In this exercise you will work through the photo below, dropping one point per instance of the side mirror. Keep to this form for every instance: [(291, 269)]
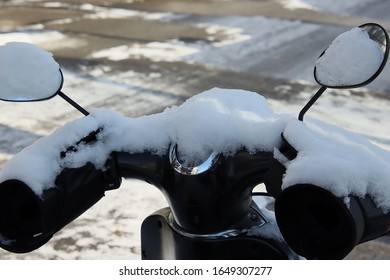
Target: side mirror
[(28, 73), (354, 59)]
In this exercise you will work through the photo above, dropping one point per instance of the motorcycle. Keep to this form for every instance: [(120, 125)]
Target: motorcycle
[(206, 156)]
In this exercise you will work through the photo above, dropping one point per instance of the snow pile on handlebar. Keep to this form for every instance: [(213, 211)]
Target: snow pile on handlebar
[(340, 161), (219, 120)]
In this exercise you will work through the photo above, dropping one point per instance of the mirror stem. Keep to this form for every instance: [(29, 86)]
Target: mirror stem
[(73, 103), (311, 102)]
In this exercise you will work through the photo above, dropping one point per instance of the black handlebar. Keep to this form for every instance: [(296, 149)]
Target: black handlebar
[(206, 202), (27, 221), (314, 222)]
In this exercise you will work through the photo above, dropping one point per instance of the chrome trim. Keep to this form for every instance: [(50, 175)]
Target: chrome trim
[(191, 169)]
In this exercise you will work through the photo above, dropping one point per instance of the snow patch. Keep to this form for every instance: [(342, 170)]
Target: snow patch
[(296, 4), (36, 36), (155, 51), (247, 43), (337, 160), (332, 6)]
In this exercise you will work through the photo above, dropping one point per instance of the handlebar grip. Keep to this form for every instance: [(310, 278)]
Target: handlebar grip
[(28, 221), (319, 225)]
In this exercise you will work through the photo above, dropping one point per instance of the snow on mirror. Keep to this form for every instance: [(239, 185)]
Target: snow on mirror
[(28, 73), (355, 58)]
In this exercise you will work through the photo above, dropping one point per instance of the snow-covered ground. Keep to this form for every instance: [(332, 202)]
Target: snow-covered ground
[(110, 230), (334, 6)]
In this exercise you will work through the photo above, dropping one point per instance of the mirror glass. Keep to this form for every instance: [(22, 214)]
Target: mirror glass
[(355, 58), (28, 73)]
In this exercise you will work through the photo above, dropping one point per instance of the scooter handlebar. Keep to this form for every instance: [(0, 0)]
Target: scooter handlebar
[(28, 220)]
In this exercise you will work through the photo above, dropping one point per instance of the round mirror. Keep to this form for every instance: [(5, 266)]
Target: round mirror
[(28, 73), (355, 58)]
